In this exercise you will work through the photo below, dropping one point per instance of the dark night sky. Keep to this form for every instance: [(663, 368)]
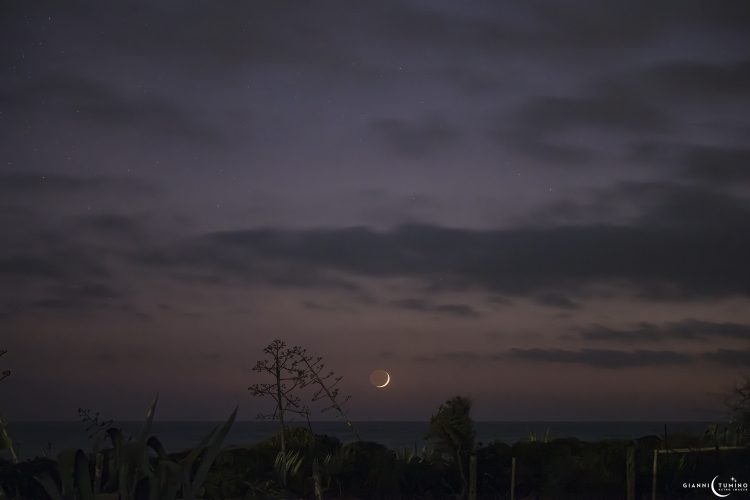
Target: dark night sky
[(544, 205)]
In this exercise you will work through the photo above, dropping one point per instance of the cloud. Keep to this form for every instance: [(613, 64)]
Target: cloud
[(569, 130), (24, 184), (80, 297), (216, 40), (642, 102), (416, 138), (717, 165), (557, 300), (535, 144), (112, 224), (420, 305), (327, 308), (219, 258), (456, 357), (594, 358), (613, 110), (602, 358), (694, 206), (56, 262), (732, 357), (647, 204), (81, 100), (551, 28), (690, 79), (75, 295), (667, 252), (686, 330), (234, 37)]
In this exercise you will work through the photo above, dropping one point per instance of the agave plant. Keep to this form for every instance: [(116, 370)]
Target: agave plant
[(311, 463), (288, 463), (413, 455), (6, 443), (533, 437), (4, 373), (130, 471)]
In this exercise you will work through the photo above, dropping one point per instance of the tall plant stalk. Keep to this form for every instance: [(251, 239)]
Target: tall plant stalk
[(326, 384), (282, 364), (5, 373), (5, 441)]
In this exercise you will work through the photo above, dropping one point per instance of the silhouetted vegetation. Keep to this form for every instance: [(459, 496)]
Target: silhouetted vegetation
[(325, 383), (283, 366), (6, 443), (558, 469), (93, 422), (291, 370), (452, 432), (135, 468), (739, 410), (4, 373), (297, 463)]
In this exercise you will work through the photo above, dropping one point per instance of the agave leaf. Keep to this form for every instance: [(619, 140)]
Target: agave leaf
[(66, 465), (73, 467), (297, 464), (50, 487), (146, 430), (98, 470), (212, 450), (156, 445), (97, 440), (197, 451), (83, 477), (133, 467), (288, 463), (116, 437), (6, 443), (131, 459), (123, 473), (166, 483)]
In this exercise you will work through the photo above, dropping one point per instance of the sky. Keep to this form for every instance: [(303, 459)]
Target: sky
[(542, 205)]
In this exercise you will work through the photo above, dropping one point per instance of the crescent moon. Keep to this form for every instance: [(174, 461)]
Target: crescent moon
[(713, 489), (388, 380)]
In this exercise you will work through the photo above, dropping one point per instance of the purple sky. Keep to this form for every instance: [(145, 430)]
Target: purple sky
[(543, 205)]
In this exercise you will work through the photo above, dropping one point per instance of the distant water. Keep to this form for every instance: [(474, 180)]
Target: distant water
[(48, 438)]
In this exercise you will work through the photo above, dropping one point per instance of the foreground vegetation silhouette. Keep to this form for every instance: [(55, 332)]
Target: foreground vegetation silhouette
[(297, 463), (5, 441)]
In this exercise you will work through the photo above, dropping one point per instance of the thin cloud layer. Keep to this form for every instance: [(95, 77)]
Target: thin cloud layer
[(687, 330), (544, 185)]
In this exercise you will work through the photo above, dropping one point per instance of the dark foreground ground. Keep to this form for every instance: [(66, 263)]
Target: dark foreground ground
[(558, 469)]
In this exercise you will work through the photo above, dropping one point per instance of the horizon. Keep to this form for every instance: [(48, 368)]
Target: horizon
[(542, 207), (426, 420)]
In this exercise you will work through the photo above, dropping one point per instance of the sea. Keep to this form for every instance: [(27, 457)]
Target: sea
[(33, 439)]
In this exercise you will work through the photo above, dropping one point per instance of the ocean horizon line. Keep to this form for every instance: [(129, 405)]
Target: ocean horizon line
[(410, 421)]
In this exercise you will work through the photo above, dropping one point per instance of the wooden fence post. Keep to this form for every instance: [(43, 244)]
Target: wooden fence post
[(513, 479), (473, 477), (653, 478), (630, 472), (317, 483)]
